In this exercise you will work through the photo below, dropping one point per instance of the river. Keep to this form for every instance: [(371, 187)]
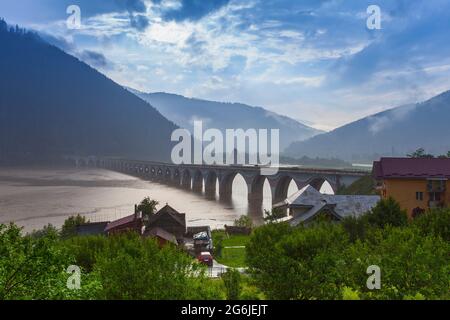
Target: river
[(35, 197)]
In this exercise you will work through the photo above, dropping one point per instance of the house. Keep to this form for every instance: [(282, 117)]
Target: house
[(129, 223), (417, 184), (162, 236), (169, 220), (91, 229), (308, 204)]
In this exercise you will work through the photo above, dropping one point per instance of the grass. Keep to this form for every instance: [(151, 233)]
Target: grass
[(232, 257)]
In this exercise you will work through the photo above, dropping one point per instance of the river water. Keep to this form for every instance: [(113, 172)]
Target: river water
[(35, 197)]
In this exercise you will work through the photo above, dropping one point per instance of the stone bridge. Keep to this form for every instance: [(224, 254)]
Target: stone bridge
[(203, 178)]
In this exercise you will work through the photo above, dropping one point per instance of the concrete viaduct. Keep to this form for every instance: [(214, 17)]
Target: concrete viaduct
[(199, 178)]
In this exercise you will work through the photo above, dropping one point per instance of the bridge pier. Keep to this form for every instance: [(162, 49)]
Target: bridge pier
[(186, 180), (226, 186), (176, 178), (211, 185), (197, 182)]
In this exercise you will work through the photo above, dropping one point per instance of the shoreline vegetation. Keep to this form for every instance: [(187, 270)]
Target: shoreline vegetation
[(324, 261)]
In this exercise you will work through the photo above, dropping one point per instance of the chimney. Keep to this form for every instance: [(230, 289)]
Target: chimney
[(135, 212)]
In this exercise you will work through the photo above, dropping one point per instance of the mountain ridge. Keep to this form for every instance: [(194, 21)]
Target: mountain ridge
[(393, 132), (52, 104), (225, 115)]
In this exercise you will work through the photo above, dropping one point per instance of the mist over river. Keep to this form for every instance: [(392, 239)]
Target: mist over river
[(35, 197)]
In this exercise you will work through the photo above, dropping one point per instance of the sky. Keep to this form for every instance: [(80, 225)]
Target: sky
[(313, 60)]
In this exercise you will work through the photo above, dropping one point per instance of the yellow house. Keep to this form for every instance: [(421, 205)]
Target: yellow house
[(418, 184)]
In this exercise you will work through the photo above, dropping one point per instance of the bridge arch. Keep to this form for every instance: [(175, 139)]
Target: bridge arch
[(280, 188), (319, 181), (226, 183)]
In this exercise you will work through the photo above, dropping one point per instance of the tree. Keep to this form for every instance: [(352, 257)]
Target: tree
[(30, 268), (435, 222), (420, 153), (244, 222), (445, 156), (130, 267), (232, 282), (48, 230), (274, 215), (69, 228), (148, 207), (218, 245), (387, 212), (3, 25), (355, 227), (319, 262)]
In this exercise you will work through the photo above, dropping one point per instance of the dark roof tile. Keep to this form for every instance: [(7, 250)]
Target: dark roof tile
[(412, 168)]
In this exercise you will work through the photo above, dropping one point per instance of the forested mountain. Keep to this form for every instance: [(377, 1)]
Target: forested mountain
[(184, 111), (394, 132), (52, 104)]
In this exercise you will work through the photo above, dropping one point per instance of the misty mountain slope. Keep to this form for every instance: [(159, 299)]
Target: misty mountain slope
[(394, 132), (52, 104), (184, 111)]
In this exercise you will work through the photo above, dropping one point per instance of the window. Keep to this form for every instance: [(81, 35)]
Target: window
[(419, 196), (435, 196)]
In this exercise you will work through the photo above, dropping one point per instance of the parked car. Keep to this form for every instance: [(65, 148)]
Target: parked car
[(206, 258)]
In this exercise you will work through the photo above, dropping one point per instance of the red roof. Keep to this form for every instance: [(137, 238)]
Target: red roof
[(412, 168), (120, 222)]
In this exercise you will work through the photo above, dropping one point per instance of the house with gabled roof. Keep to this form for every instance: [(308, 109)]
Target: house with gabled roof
[(169, 220), (308, 204), (131, 223), (417, 184)]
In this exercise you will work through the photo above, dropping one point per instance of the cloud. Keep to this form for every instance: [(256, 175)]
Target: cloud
[(402, 44), (139, 22), (302, 58), (190, 9), (95, 59), (58, 41), (389, 118), (304, 81)]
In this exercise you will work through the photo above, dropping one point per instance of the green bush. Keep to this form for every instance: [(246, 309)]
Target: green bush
[(330, 261), (387, 212), (435, 222), (117, 267), (232, 282), (69, 228)]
